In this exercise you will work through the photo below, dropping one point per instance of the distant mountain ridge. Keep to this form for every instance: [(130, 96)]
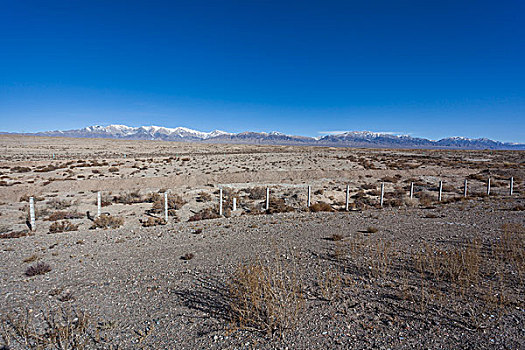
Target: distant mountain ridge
[(345, 139)]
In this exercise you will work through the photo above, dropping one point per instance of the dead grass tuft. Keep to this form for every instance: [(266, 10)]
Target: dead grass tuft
[(107, 221)]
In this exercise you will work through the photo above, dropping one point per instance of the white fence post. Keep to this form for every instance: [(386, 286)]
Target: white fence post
[(511, 189), (99, 204), (488, 187), (220, 201), (411, 190), (440, 190), (465, 188), (347, 200), (166, 206), (382, 193), (267, 198), (32, 213), (308, 200), (234, 205)]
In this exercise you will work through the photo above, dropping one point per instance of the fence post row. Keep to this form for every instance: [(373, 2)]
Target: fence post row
[(32, 213), (220, 201), (166, 206)]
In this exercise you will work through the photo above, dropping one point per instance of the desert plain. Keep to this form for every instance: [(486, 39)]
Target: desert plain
[(420, 272)]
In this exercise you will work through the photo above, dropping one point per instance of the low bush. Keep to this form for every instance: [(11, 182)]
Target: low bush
[(321, 206), (107, 221), (205, 214), (37, 269), (64, 215), (62, 226), (152, 221)]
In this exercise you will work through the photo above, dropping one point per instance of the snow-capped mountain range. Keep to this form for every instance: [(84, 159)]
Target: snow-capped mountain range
[(344, 139)]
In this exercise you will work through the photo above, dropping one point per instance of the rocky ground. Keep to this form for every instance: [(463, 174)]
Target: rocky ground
[(414, 274)]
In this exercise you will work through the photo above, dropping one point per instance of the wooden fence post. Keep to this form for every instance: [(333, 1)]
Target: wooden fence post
[(32, 213), (382, 193)]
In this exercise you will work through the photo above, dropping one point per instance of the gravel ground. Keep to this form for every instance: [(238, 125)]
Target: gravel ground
[(135, 282)]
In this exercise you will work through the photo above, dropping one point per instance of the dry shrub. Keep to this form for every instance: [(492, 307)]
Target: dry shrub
[(510, 247), (266, 297), (278, 205), (64, 215), (321, 206), (37, 269), (14, 234), (62, 226), (330, 284), (128, 198), (20, 169), (460, 265), (113, 169), (205, 214), (59, 204), (187, 256), (175, 202), (372, 229), (62, 329), (151, 221), (426, 199), (256, 192), (336, 237), (107, 221), (204, 197)]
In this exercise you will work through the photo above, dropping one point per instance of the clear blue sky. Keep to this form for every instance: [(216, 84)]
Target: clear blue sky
[(426, 68)]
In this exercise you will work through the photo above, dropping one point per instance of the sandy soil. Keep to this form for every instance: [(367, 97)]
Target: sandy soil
[(369, 278)]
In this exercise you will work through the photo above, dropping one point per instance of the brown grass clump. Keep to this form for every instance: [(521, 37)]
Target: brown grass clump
[(321, 206), (151, 221), (59, 204), (175, 202), (37, 269), (64, 215), (205, 214), (278, 205), (128, 198), (107, 221), (256, 192), (14, 234), (62, 329), (204, 197), (187, 256), (336, 237), (62, 226), (113, 169), (372, 229), (266, 297)]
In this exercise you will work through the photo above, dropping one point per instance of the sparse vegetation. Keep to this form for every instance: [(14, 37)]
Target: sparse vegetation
[(62, 226), (39, 268), (107, 221)]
